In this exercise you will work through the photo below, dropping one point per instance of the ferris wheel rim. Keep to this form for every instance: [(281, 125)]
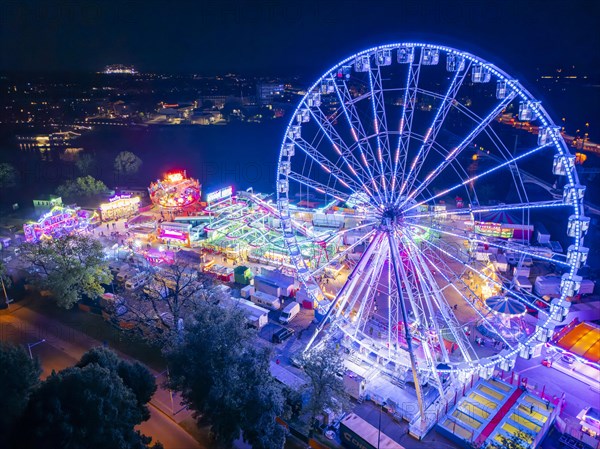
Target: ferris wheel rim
[(520, 92)]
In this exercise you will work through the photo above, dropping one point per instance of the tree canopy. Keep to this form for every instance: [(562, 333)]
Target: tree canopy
[(82, 187), (127, 163), (326, 386), (9, 176), (85, 164), (82, 408), (19, 376), (134, 375), (4, 275), (70, 267), (225, 378)]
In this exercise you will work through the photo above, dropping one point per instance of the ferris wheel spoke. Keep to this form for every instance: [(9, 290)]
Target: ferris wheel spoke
[(466, 300), (434, 128), (487, 209), (358, 170), (408, 108), (318, 187), (525, 250), (460, 147), (380, 124), (396, 265), (485, 277), (342, 297), (342, 254), (465, 347), (473, 178), (428, 289), (327, 165), (356, 129)]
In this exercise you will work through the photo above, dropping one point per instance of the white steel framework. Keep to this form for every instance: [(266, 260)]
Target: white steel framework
[(412, 154)]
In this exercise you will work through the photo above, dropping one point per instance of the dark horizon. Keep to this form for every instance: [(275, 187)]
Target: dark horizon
[(271, 37)]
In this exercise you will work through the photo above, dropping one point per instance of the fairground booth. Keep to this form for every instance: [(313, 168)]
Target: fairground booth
[(119, 206), (579, 346)]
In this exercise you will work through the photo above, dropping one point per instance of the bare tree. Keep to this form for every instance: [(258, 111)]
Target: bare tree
[(170, 295)]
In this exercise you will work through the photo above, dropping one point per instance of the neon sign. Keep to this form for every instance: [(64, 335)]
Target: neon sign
[(175, 177), (219, 194), (171, 234)]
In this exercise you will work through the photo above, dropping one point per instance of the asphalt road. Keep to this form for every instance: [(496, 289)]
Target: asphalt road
[(64, 346)]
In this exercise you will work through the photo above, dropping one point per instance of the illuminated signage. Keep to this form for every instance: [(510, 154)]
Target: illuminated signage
[(492, 229), (173, 234), (175, 177), (118, 197), (219, 194), (120, 201)]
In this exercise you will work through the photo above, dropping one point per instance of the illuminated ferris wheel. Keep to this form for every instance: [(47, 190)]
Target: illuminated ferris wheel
[(442, 179)]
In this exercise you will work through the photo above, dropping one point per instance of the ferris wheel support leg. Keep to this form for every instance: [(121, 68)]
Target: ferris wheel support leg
[(413, 360)]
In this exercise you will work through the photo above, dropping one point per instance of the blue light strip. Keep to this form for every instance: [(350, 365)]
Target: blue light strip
[(487, 172), (432, 131), (456, 151), (495, 245)]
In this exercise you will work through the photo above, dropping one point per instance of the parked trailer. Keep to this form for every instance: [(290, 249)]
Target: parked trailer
[(265, 300), (247, 291), (264, 285), (356, 433), (256, 316)]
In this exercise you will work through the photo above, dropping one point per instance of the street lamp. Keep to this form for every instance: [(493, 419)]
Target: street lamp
[(383, 404), (31, 345)]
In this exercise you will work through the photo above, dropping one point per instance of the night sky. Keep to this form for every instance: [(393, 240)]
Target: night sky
[(286, 37)]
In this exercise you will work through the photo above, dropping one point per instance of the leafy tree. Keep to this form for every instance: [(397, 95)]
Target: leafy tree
[(70, 267), (9, 176), (225, 378), (4, 277), (134, 375), (82, 408), (172, 293), (325, 386), (19, 376), (127, 163), (85, 164), (82, 187)]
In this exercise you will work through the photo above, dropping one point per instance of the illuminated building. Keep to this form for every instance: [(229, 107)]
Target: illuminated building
[(47, 203), (60, 221), (119, 69), (266, 92), (175, 233), (119, 206), (175, 191)]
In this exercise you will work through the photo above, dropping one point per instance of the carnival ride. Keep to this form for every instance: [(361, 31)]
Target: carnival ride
[(175, 191), (388, 137), (247, 226), (58, 222)]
